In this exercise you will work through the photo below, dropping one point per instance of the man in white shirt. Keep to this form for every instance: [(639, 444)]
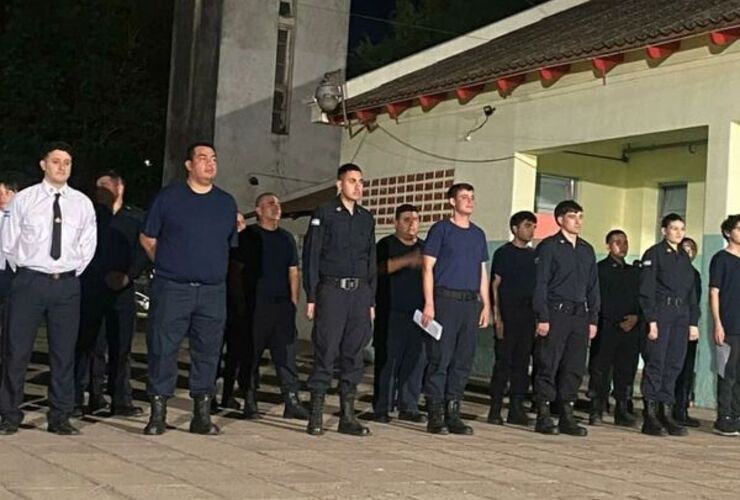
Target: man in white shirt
[(48, 237), (7, 191)]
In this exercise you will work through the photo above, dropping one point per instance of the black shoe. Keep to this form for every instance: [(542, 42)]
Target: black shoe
[(412, 416), (567, 423), (596, 413), (157, 424), (650, 423), (726, 426), (436, 423), (517, 414), (622, 416), (230, 404), (251, 412), (97, 403), (315, 425), (494, 412), (453, 420), (201, 421), (544, 423), (382, 417), (348, 423), (63, 428), (293, 407), (681, 416), (128, 410), (7, 428), (665, 415), (77, 412)]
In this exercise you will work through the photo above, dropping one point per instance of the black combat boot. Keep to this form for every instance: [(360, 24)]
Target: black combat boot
[(97, 401), (596, 413), (436, 423), (251, 412), (568, 423), (622, 416), (293, 407), (201, 421), (494, 413), (650, 423), (517, 414), (665, 415), (681, 416), (348, 423), (227, 396), (315, 425), (157, 417), (453, 420), (544, 424)]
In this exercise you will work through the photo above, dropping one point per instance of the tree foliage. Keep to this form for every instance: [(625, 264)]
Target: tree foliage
[(420, 24), (94, 73)]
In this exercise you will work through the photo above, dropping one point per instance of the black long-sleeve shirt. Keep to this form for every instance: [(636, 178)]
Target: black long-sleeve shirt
[(566, 273), (131, 259), (619, 288), (667, 274), (339, 244)]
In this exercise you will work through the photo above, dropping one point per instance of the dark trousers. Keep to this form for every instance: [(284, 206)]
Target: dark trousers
[(107, 323), (180, 310), (233, 350), (685, 380), (5, 284), (664, 356), (613, 358), (451, 357), (34, 297), (513, 351), (399, 362), (341, 331), (728, 387), (561, 357), (271, 325)]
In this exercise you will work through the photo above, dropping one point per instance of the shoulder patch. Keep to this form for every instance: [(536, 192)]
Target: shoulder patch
[(647, 263), (315, 221)]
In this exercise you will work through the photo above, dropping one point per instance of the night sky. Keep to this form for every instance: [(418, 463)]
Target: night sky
[(360, 28)]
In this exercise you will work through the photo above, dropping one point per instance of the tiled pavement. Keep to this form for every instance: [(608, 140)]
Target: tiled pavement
[(274, 458)]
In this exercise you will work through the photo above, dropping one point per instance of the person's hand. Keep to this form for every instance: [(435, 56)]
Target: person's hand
[(719, 334), (498, 326), (413, 259), (592, 331), (693, 333), (628, 323), (485, 318), (372, 313), (653, 331), (116, 280), (543, 329), (427, 316), (310, 311)]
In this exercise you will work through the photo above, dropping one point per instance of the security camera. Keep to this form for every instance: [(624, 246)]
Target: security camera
[(253, 181), (328, 96), (488, 110)]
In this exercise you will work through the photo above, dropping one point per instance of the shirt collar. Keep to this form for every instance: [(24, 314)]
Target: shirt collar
[(669, 249), (51, 190)]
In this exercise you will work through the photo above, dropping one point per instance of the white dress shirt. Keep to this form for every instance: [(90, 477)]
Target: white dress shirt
[(25, 235), (2, 255)]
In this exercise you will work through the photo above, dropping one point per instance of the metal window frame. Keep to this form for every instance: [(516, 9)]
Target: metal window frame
[(573, 188)]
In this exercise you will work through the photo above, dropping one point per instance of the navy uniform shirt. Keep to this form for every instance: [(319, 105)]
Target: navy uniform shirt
[(130, 258), (459, 251), (402, 290), (339, 244), (516, 268), (566, 274), (667, 274), (619, 286)]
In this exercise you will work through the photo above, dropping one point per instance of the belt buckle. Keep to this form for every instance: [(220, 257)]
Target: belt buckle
[(54, 276), (348, 284)]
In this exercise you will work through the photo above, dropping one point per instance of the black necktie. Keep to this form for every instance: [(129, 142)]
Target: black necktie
[(56, 231)]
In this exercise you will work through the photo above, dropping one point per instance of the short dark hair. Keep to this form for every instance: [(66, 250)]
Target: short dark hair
[(519, 217), (671, 217), (347, 167), (614, 232), (566, 207), (262, 196), (406, 207), (54, 146), (191, 149), (456, 188), (691, 242), (728, 225), (112, 173), (9, 185)]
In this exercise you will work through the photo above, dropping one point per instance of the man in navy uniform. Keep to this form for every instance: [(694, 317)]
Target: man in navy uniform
[(48, 237), (340, 277), (188, 233), (566, 302), (668, 301)]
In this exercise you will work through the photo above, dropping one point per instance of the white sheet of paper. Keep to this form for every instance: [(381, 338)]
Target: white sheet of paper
[(723, 356), (434, 329)]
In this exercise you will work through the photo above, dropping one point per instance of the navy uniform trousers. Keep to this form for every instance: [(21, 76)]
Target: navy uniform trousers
[(614, 356), (33, 297), (514, 351), (194, 311), (664, 356)]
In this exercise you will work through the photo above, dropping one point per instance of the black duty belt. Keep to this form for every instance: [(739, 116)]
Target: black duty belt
[(461, 295), (51, 276), (568, 307), (272, 300), (348, 284), (671, 301)]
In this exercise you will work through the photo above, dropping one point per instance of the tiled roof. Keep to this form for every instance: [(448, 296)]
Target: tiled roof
[(596, 28)]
